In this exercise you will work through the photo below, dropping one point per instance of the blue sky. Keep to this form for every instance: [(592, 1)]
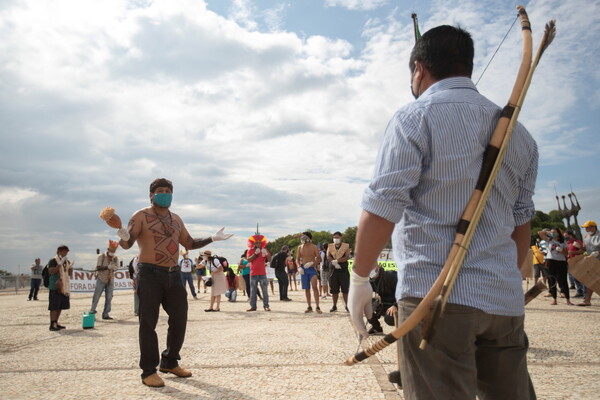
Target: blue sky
[(259, 111)]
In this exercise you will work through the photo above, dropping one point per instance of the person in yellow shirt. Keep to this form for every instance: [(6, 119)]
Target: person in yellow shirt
[(539, 268)]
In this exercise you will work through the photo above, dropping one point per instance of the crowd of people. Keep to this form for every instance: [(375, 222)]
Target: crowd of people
[(552, 254)]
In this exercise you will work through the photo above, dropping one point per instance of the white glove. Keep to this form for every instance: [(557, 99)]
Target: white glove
[(301, 270), (63, 260), (359, 302), (263, 252), (308, 264), (336, 264), (123, 234), (594, 254), (221, 236)]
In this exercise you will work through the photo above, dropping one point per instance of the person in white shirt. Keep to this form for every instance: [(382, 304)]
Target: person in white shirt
[(187, 265)]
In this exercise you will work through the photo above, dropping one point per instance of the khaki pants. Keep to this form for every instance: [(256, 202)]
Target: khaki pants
[(471, 354)]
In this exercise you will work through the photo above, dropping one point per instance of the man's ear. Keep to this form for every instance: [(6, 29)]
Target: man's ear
[(418, 70)]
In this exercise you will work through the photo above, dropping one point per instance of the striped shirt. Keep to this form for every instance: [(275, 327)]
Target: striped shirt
[(425, 173)]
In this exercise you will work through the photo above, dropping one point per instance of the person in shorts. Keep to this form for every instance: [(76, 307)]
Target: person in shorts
[(307, 257)]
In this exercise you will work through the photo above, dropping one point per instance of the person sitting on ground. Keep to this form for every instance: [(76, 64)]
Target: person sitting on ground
[(231, 285), (384, 304)]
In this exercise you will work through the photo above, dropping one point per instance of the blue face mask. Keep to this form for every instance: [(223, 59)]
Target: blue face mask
[(163, 199)]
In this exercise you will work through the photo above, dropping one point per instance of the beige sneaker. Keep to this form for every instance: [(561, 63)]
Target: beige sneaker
[(153, 381)]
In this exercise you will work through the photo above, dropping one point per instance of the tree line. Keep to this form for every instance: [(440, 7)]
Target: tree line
[(540, 221)]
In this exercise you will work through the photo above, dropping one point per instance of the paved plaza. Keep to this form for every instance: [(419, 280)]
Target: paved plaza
[(282, 354)]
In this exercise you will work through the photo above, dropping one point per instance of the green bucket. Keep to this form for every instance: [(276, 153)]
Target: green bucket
[(88, 320)]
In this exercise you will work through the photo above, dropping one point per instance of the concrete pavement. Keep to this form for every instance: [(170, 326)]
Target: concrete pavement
[(282, 354)]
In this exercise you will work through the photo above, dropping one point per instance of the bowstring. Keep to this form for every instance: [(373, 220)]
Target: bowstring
[(498, 48)]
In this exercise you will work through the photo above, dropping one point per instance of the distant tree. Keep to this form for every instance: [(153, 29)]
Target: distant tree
[(542, 221), (350, 236), (4, 273)]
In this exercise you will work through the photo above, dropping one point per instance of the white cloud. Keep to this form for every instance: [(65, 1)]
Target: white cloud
[(356, 4), (99, 98), (242, 12)]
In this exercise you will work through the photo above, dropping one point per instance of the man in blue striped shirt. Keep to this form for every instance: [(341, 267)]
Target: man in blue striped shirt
[(426, 170)]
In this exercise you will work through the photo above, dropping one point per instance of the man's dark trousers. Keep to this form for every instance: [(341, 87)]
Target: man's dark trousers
[(283, 281), (157, 286)]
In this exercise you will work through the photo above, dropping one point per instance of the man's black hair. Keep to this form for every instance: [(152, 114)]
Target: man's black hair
[(62, 248), (445, 51), (308, 234), (337, 233), (160, 182)]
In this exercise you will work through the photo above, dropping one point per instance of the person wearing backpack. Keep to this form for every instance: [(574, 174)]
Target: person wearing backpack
[(278, 264), (57, 299), (219, 282)]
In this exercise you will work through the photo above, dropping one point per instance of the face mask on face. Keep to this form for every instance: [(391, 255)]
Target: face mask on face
[(337, 240), (304, 239), (163, 199)]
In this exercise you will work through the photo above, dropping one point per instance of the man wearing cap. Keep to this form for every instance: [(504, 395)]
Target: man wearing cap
[(307, 257), (106, 266), (592, 245), (158, 233)]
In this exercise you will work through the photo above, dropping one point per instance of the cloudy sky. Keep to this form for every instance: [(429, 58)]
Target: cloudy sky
[(259, 111)]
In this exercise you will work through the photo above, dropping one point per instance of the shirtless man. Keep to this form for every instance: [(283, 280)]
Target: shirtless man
[(158, 233), (307, 257)]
